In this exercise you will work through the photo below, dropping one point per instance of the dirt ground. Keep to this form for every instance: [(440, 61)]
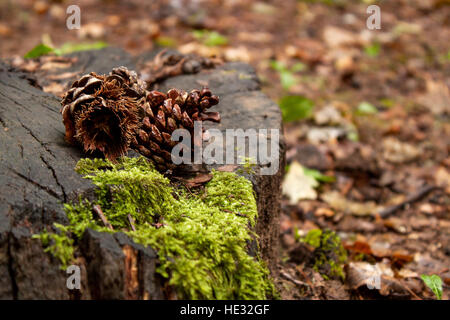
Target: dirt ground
[(368, 140)]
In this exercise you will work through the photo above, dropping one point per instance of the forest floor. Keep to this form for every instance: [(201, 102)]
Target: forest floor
[(366, 117)]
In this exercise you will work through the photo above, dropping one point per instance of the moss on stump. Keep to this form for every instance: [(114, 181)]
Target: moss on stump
[(201, 238)]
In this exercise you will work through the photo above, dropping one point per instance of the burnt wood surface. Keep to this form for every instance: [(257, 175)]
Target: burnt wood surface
[(37, 176)]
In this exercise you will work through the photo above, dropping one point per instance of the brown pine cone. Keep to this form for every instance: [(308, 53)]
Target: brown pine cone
[(168, 63), (164, 113), (100, 112)]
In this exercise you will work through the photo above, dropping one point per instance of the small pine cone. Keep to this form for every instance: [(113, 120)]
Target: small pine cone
[(164, 113), (100, 112)]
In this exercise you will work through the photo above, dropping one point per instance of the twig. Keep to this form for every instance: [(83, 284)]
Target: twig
[(98, 210), (424, 191), (131, 220), (236, 213), (411, 292), (290, 278), (308, 282)]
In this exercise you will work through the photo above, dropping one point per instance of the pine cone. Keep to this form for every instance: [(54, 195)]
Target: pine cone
[(168, 63), (164, 113), (101, 111)]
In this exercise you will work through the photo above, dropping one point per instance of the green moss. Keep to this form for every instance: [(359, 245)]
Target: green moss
[(59, 244), (201, 238), (248, 166), (329, 254)]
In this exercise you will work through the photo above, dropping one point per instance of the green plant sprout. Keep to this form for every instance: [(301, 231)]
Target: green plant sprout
[(287, 75), (68, 47), (210, 38), (434, 282)]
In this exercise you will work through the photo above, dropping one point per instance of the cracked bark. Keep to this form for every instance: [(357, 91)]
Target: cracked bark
[(37, 176)]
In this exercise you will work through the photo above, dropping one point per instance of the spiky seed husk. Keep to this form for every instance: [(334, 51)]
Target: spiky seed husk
[(100, 112)]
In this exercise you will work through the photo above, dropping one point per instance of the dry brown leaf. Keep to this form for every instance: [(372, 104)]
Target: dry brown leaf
[(5, 30), (92, 30), (55, 88), (228, 168), (395, 151), (64, 75), (337, 37), (437, 97), (52, 65), (340, 203), (375, 276), (198, 180)]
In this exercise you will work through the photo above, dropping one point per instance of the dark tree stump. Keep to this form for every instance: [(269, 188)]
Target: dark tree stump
[(37, 176)]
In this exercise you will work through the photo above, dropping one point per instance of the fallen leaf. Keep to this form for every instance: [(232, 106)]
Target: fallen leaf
[(406, 273), (92, 30), (328, 115), (37, 51), (200, 49), (198, 180), (228, 168), (363, 273), (55, 88), (345, 64), (325, 134), (396, 224), (442, 178), (237, 54), (306, 50), (295, 107), (324, 212), (395, 151), (437, 97), (55, 65), (401, 257), (5, 30), (366, 108), (337, 37), (255, 37), (375, 276), (404, 27), (297, 185), (64, 75), (340, 203), (359, 247)]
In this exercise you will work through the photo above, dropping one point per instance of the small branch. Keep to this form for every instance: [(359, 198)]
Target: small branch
[(236, 213), (98, 211), (421, 193), (131, 220), (290, 278)]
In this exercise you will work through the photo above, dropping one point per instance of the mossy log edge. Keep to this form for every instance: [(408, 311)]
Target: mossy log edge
[(37, 177)]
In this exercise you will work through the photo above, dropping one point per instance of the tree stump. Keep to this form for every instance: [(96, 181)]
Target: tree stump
[(37, 176)]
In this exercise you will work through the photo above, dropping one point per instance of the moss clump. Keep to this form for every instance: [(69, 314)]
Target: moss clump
[(201, 238), (329, 254), (59, 244)]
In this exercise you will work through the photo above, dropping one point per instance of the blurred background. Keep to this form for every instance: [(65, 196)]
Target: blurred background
[(366, 116)]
